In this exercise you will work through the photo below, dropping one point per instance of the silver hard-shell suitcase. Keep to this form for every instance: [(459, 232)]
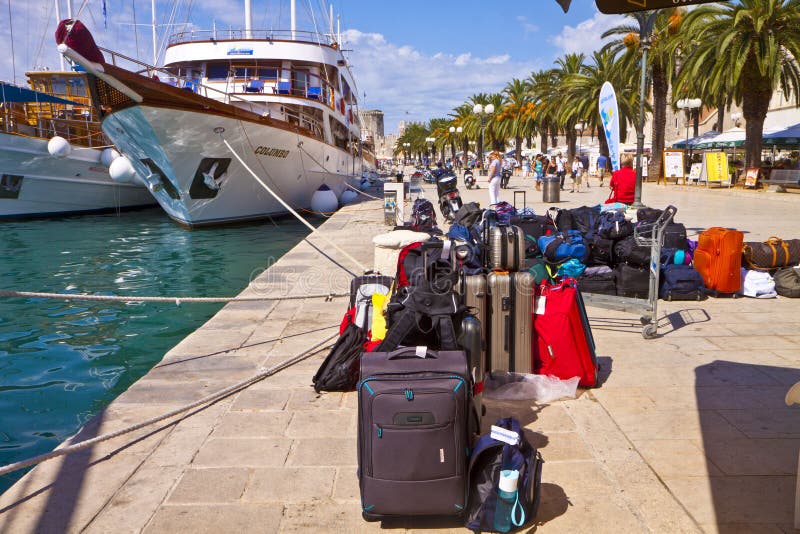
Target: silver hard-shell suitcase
[(506, 247), (511, 321)]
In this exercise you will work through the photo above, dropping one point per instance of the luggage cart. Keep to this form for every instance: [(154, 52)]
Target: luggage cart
[(651, 234)]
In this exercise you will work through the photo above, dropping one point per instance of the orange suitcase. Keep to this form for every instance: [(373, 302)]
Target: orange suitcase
[(718, 258)]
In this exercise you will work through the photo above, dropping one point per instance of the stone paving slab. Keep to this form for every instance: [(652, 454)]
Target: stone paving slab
[(687, 433)]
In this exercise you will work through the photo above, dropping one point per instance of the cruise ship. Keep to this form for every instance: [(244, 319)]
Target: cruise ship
[(282, 104)]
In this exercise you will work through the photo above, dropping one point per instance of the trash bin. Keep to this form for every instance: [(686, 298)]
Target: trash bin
[(551, 189)]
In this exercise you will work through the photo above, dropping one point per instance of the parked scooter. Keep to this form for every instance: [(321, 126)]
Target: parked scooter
[(449, 198), (469, 179), (505, 176)]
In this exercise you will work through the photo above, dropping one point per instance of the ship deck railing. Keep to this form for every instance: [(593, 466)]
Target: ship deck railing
[(254, 35)]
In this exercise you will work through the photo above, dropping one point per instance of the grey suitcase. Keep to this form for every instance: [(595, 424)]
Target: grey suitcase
[(506, 247), (415, 424), (510, 333)]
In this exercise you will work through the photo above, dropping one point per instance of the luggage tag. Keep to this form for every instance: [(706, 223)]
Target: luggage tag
[(421, 351), (540, 304), (504, 435)]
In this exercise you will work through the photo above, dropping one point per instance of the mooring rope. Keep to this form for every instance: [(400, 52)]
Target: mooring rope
[(177, 300), (289, 208), (205, 400)]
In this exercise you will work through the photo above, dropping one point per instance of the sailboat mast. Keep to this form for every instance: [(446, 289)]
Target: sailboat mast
[(58, 19), (69, 9), (330, 21), (155, 40), (293, 12), (248, 19)]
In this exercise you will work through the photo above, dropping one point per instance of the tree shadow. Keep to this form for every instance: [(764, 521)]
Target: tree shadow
[(750, 443)]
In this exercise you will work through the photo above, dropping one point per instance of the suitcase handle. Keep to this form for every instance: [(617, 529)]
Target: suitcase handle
[(410, 352)]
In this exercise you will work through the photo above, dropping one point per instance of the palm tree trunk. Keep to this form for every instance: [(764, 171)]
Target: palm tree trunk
[(696, 122), (720, 114), (755, 102), (660, 90), (518, 147), (544, 141), (572, 142), (601, 138), (453, 147)]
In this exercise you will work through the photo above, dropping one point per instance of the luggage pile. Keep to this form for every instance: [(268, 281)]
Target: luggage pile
[(416, 347), (770, 268)]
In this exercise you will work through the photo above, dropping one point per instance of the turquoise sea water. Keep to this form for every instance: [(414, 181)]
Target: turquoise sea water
[(61, 362)]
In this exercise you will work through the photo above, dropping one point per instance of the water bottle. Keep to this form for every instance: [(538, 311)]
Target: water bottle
[(506, 499)]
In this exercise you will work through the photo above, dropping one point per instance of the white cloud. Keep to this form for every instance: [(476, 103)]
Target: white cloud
[(527, 26), (586, 36), (414, 86)]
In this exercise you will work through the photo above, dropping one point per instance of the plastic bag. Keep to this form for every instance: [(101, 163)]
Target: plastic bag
[(520, 386)]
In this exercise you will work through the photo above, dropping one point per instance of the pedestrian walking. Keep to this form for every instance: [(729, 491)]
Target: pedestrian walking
[(495, 176), (577, 174), (526, 167), (538, 171), (561, 169), (602, 163)]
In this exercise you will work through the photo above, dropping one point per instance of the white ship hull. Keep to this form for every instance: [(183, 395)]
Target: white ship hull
[(48, 185), (185, 144)]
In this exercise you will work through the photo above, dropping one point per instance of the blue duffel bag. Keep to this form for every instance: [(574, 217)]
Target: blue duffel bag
[(564, 246)]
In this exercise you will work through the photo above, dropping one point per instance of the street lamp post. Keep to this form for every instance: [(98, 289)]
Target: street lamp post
[(646, 21), (405, 151), (431, 140), (482, 112), (688, 105), (579, 130)]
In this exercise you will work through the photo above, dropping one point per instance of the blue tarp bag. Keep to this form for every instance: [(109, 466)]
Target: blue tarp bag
[(571, 268), (563, 246)]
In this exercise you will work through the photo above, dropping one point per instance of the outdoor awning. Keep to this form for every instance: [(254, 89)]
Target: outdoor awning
[(734, 137), (786, 137), (694, 140), (14, 93)]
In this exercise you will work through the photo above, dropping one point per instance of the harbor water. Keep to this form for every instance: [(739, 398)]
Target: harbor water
[(61, 362)]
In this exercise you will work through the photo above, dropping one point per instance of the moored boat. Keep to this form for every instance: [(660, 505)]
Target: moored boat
[(281, 103), (54, 159)]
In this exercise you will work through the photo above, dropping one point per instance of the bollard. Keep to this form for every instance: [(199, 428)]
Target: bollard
[(551, 189)]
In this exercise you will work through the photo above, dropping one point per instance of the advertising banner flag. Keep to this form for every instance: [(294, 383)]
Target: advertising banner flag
[(609, 115)]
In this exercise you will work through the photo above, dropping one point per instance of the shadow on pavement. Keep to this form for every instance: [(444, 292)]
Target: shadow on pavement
[(750, 443)]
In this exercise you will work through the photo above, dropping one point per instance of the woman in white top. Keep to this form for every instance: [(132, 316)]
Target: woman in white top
[(495, 174)]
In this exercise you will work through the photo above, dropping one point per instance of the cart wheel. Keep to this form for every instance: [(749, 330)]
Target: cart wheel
[(644, 320), (649, 331)]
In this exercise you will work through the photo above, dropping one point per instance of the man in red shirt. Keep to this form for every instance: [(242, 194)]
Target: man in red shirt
[(623, 182)]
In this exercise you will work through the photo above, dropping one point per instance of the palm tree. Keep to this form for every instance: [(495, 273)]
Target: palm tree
[(581, 94), (662, 68), (544, 92), (515, 120), (566, 117), (749, 49)]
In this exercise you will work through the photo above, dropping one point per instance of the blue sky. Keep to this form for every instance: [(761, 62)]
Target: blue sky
[(414, 59)]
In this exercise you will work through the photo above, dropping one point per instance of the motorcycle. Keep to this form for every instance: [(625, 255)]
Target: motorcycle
[(469, 179), (505, 176), (449, 198)]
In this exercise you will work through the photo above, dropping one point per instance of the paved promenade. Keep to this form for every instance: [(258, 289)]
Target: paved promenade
[(687, 433)]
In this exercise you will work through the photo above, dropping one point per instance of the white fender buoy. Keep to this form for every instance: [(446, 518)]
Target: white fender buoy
[(324, 200), (121, 170), (348, 197), (59, 147), (107, 156)]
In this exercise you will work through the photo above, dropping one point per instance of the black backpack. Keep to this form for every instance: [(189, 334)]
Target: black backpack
[(422, 213), (487, 460), (339, 371)]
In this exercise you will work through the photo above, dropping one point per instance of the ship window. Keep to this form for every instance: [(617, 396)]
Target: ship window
[(217, 72), (268, 73), (10, 185)]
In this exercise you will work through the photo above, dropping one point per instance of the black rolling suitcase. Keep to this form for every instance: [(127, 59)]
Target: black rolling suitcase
[(415, 424), (632, 281)]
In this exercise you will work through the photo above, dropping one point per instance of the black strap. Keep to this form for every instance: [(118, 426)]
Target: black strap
[(512, 304)]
